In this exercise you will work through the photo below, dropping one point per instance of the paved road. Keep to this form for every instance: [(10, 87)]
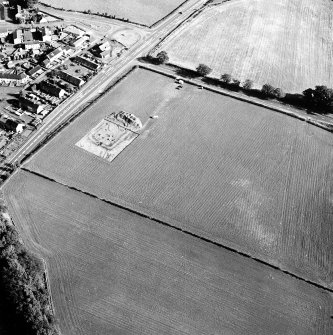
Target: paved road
[(102, 80)]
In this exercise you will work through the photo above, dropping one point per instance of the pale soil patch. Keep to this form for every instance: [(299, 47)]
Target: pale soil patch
[(287, 43), (109, 138), (140, 11)]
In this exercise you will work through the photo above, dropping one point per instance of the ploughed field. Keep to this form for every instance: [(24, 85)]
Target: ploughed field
[(243, 176), (145, 12), (287, 43), (114, 272)]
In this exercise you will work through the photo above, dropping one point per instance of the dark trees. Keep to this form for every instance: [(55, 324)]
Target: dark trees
[(203, 70), (26, 3), (268, 91), (248, 84), (22, 282), (162, 57), (320, 97), (279, 94), (226, 78)]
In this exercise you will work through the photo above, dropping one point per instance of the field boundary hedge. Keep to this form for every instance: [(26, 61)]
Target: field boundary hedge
[(169, 225), (241, 97)]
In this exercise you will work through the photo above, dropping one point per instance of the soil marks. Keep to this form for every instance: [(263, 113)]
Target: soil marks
[(287, 43)]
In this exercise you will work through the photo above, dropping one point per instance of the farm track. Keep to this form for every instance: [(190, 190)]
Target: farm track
[(182, 230)]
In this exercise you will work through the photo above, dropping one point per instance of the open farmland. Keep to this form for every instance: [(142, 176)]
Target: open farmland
[(145, 12), (287, 43), (113, 272), (240, 175)]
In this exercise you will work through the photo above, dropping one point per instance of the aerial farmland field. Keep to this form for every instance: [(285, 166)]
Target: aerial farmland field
[(146, 12), (237, 174), (287, 43), (113, 272)]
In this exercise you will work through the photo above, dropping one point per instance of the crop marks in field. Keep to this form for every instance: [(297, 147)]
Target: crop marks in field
[(287, 43)]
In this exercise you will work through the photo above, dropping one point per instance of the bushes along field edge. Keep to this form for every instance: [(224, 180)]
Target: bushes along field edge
[(319, 99), (23, 282), (212, 82)]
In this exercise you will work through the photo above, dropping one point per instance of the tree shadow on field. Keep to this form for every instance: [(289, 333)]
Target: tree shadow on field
[(147, 60), (187, 73), (296, 100)]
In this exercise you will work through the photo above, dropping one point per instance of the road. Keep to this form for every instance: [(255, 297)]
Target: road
[(97, 84)]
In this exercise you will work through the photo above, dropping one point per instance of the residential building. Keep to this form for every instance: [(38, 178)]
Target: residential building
[(11, 125), (105, 54), (104, 46), (46, 34), (32, 106), (13, 78), (27, 119), (55, 54), (87, 63), (18, 36), (35, 71), (51, 89), (79, 42), (4, 11), (34, 45), (74, 30), (27, 36), (70, 79), (67, 50), (3, 36), (109, 49), (43, 20)]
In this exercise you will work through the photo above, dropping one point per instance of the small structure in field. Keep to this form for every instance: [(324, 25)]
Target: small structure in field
[(125, 119), (111, 136)]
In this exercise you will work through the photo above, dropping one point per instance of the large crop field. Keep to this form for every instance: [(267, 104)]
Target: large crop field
[(113, 272), (287, 43), (240, 175), (145, 12)]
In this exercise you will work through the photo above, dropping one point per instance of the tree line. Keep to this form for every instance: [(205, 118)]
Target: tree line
[(319, 99), (22, 281), (24, 3)]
